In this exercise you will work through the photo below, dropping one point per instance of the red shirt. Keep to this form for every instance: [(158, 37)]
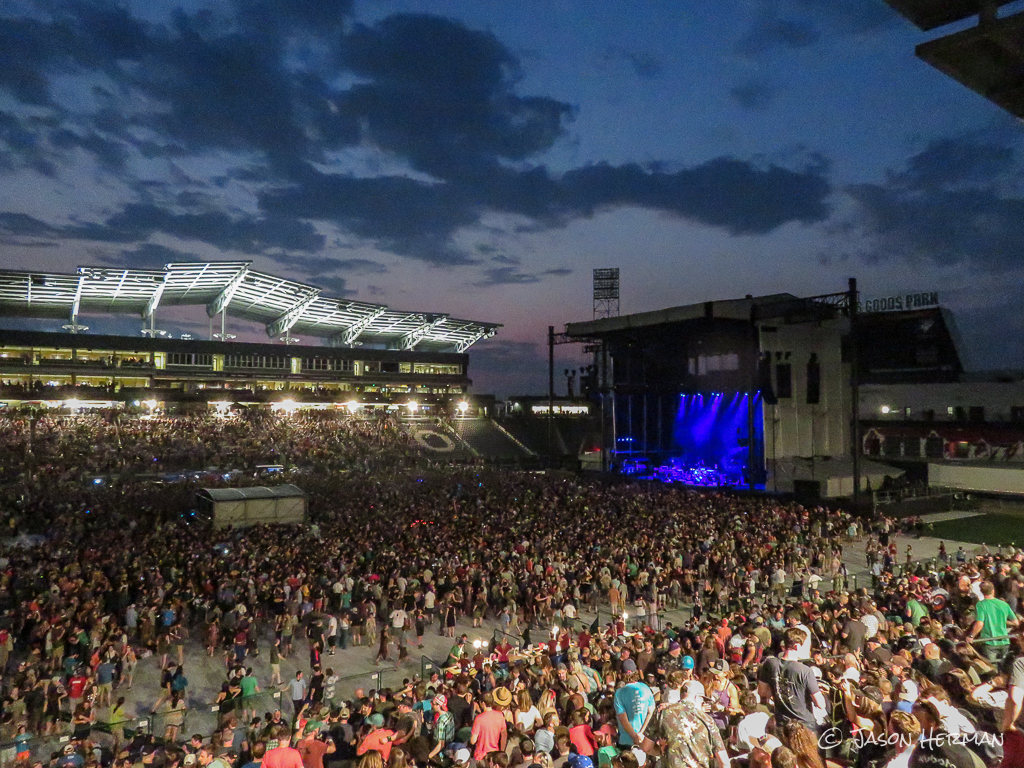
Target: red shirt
[(312, 752), (282, 757), (76, 685), (379, 740), (488, 728), (584, 740)]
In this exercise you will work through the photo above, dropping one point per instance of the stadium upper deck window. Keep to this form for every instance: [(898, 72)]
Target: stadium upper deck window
[(328, 364), (255, 361), (189, 358)]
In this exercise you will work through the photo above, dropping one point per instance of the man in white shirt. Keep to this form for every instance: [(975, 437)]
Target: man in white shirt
[(804, 651)]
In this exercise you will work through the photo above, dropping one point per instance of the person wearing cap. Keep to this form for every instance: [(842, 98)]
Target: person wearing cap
[(443, 725), (312, 749), (379, 738), (671, 660), (462, 756), (907, 696), (407, 722), (723, 693), (490, 731), (634, 707)]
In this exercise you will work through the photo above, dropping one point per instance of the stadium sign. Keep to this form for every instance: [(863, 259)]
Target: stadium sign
[(906, 301)]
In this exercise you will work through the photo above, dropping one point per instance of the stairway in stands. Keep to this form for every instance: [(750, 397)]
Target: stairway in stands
[(489, 441)]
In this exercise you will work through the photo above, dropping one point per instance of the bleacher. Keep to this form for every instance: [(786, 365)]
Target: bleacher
[(489, 441)]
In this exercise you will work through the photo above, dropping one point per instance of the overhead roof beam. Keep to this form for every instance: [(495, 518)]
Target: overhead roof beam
[(284, 323), (349, 335), (484, 333), (154, 299), (225, 296), (77, 301), (415, 336)]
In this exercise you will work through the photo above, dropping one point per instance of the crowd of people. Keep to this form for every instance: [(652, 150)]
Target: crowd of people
[(778, 660)]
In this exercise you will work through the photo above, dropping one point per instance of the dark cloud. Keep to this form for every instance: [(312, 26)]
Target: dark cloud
[(263, 83), (781, 25), (513, 276), (501, 258), (335, 286), (319, 16), (738, 196), (850, 16), (754, 95), (959, 200), (644, 64), (417, 219), (507, 276), (254, 235), (147, 256), (225, 90), (315, 266), (771, 33), (110, 154), (20, 224), (404, 216), (958, 162), (25, 55), (443, 96)]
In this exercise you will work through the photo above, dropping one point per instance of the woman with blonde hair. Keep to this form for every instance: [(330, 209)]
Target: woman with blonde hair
[(372, 759), (547, 702), (576, 671), (527, 716)]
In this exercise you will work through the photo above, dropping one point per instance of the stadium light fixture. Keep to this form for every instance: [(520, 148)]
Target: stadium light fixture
[(886, 409), (151, 404), (352, 405), (413, 406), (73, 404), (463, 407)]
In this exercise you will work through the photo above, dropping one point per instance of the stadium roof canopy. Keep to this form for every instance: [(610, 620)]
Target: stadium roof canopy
[(284, 306)]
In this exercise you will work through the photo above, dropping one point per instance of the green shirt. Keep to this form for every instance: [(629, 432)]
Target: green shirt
[(917, 612), (249, 684), (993, 614)]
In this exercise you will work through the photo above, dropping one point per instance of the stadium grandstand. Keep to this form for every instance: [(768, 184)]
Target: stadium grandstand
[(368, 353)]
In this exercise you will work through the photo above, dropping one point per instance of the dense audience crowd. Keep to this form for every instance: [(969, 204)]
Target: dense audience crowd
[(780, 662)]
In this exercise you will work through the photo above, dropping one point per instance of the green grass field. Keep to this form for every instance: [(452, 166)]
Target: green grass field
[(991, 529)]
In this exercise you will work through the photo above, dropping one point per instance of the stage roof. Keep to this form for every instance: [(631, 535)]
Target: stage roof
[(929, 14), (764, 307), (988, 59), (285, 307)]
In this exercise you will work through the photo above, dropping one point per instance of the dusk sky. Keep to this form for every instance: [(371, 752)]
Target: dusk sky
[(481, 158)]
